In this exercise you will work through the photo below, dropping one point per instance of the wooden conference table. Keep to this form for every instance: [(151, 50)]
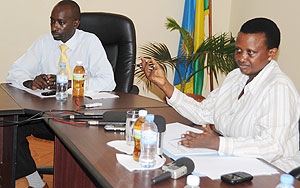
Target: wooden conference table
[(9, 111), (82, 158)]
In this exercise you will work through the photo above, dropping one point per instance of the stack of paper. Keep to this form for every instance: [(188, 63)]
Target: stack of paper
[(99, 95), (39, 92), (215, 166), (207, 161), (173, 136)]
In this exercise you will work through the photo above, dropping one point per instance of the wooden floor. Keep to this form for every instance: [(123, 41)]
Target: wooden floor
[(42, 152)]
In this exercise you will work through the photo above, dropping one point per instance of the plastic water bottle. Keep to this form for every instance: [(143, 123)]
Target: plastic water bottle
[(148, 142), (78, 80), (137, 134), (286, 181), (62, 83), (192, 181)]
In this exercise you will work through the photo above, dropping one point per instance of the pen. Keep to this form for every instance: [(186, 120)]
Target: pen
[(179, 139), (150, 67)]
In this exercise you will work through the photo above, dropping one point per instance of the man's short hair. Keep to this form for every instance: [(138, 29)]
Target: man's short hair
[(263, 25), (75, 7)]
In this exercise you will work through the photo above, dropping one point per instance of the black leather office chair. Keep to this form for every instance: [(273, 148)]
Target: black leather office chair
[(117, 34)]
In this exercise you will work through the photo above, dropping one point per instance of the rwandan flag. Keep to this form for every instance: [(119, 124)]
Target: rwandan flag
[(193, 17), (202, 11)]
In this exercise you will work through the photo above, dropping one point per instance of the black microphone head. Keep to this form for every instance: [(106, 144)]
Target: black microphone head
[(184, 161), (114, 116), (160, 123), (138, 109)]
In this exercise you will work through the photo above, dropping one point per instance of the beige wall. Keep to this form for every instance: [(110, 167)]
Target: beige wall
[(23, 21), (286, 15)]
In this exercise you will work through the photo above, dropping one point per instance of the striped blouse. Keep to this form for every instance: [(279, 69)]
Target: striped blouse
[(263, 123)]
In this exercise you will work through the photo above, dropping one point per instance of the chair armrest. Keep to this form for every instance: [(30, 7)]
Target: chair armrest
[(134, 90)]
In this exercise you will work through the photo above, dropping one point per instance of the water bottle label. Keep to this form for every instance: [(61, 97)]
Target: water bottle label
[(148, 137), (137, 134), (61, 79), (78, 77)]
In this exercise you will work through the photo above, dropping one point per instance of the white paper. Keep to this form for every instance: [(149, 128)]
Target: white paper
[(215, 166), (39, 92), (100, 95), (91, 94), (173, 135), (178, 150), (121, 146), (131, 165), (175, 130)]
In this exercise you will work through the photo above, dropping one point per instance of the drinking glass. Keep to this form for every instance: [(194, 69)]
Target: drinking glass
[(86, 80), (131, 117)]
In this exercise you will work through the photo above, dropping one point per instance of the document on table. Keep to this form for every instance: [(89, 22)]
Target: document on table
[(173, 135), (90, 94), (39, 92), (99, 95), (215, 166), (208, 162)]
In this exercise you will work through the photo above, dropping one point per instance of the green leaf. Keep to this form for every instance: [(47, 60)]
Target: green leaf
[(215, 54)]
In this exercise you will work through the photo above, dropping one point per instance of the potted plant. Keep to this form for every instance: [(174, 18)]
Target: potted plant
[(215, 54)]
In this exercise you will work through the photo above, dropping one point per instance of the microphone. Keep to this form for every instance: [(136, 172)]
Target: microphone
[(114, 116), (111, 117), (181, 167), (92, 105), (86, 115), (138, 109), (161, 127)]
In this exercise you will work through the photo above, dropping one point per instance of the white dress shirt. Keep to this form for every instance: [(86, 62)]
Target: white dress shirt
[(263, 123), (44, 54)]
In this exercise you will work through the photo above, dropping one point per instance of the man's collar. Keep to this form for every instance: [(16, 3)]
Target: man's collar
[(71, 43)]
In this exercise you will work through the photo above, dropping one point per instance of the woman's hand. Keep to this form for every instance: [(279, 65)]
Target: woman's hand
[(157, 76), (207, 139)]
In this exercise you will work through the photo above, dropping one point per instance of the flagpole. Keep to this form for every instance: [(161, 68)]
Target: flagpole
[(210, 34), (210, 18)]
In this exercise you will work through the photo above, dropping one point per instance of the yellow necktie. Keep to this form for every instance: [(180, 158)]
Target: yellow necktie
[(64, 58)]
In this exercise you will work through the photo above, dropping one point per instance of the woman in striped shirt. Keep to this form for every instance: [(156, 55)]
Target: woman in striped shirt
[(257, 108)]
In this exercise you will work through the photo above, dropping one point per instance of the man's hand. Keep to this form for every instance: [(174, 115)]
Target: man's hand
[(42, 81), (51, 81), (207, 139), (156, 75)]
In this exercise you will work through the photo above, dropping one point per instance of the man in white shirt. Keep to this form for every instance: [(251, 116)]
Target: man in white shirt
[(38, 67), (257, 108)]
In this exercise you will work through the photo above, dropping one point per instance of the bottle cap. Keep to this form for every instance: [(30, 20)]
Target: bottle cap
[(150, 118), (143, 113), (193, 180), (287, 179), (79, 62), (62, 64)]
